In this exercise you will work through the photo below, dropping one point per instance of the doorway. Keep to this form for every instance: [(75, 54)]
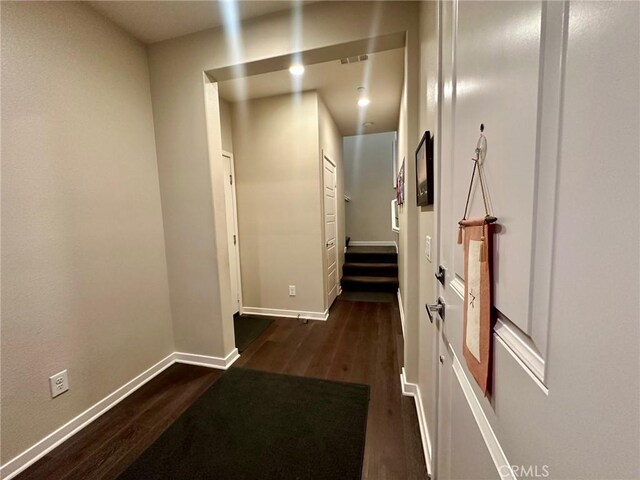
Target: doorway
[(330, 228)]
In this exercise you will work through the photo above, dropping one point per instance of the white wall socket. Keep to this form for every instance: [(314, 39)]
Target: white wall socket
[(59, 383), (427, 247), (292, 290)]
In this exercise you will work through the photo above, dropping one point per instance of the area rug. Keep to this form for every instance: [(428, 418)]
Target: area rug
[(254, 425)]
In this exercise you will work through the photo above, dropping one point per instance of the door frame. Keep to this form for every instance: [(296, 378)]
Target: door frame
[(325, 263), (234, 209)]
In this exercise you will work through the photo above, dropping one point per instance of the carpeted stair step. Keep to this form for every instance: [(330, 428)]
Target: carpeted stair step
[(364, 256), (367, 269), (369, 284)]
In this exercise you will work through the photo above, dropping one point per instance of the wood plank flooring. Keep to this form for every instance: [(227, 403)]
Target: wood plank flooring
[(360, 342)]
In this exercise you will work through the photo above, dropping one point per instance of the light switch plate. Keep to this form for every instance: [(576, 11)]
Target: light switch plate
[(427, 247)]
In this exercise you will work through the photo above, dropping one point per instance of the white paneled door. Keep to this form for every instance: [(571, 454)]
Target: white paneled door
[(330, 229), (555, 85), (500, 67), (232, 231)]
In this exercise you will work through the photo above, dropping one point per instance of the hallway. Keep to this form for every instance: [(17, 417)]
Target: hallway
[(361, 342)]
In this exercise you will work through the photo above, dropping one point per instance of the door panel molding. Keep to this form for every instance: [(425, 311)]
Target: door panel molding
[(526, 334)]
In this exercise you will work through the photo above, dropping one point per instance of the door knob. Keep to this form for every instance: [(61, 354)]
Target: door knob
[(442, 359), (435, 308), (440, 274)]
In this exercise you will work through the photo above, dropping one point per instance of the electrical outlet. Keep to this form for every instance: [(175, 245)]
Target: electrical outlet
[(427, 247), (292, 290), (59, 383)]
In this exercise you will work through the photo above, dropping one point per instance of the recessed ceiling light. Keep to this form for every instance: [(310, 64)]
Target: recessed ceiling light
[(363, 98), (296, 69), (368, 124)]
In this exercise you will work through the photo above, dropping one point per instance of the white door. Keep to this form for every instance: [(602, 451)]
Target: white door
[(232, 231), (489, 79), (330, 229)]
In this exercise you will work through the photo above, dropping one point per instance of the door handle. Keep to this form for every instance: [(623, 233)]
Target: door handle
[(438, 308), (329, 244), (440, 274)]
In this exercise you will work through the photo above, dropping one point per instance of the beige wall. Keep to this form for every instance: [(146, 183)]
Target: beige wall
[(176, 68), (331, 144), (408, 252), (84, 279), (225, 125), (279, 212), (368, 181), (427, 336)]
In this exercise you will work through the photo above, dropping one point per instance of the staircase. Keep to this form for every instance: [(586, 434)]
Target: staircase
[(370, 269)]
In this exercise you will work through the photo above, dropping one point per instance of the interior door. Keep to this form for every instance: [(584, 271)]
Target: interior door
[(488, 79), (232, 231), (330, 229)]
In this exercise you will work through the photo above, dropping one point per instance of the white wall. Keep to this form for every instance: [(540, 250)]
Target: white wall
[(176, 68), (368, 181), (84, 278), (278, 190)]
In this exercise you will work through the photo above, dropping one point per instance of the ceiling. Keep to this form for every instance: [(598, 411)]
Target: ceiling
[(153, 21), (337, 84)]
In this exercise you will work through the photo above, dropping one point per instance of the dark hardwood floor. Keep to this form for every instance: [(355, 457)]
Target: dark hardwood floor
[(360, 342)]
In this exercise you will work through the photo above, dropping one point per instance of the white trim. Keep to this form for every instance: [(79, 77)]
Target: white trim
[(516, 355), (401, 311), (207, 361), (491, 441), (34, 453), (277, 312), (372, 243), (458, 286), (25, 459), (395, 226), (413, 390), (516, 343)]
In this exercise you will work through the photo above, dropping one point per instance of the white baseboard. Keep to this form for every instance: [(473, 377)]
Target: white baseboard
[(206, 361), (372, 243), (34, 453), (413, 390), (276, 312), (401, 311)]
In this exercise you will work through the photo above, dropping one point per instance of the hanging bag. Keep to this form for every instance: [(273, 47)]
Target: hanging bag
[(478, 321)]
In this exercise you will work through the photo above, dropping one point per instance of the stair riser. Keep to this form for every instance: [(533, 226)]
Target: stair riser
[(371, 257), (369, 287), (370, 271)]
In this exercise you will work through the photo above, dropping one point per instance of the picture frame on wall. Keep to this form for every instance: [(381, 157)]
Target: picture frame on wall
[(400, 184), (424, 170)]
